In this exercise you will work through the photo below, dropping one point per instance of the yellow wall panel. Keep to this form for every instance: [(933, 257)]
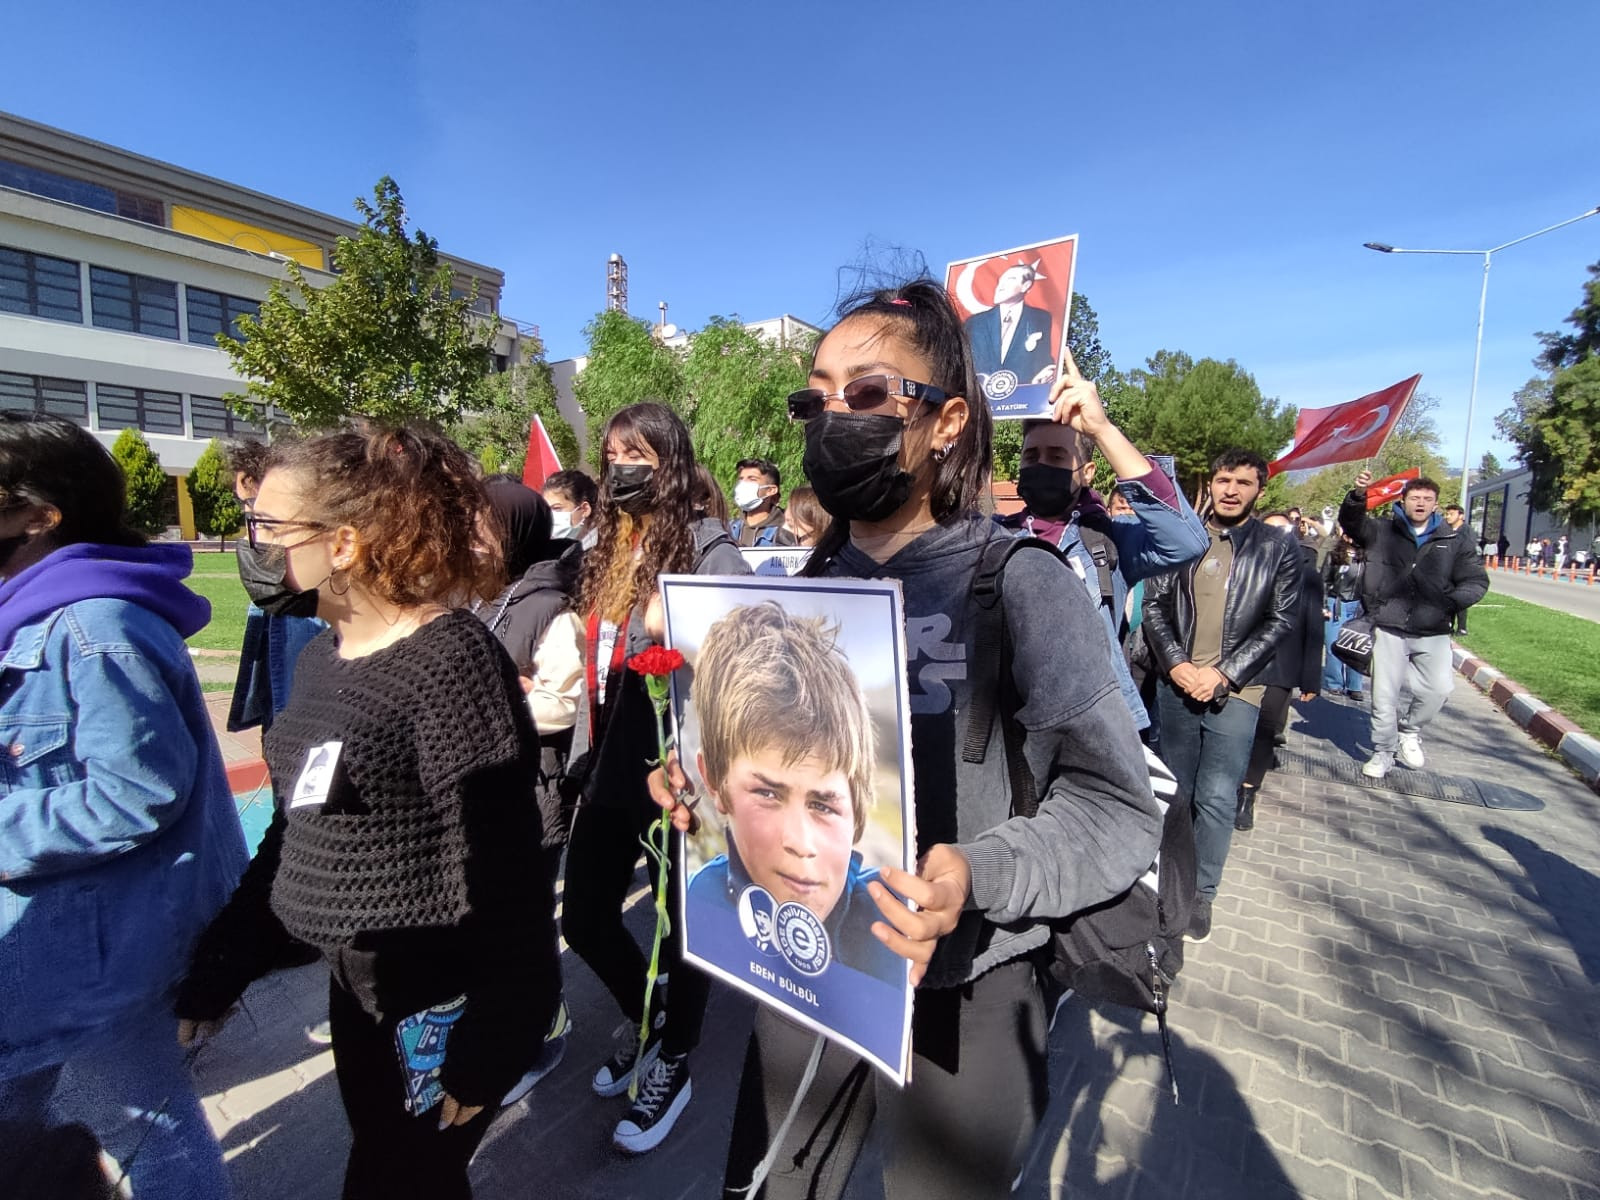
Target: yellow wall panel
[(199, 223)]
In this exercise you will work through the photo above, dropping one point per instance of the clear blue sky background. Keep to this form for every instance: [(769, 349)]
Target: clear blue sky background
[(1223, 162)]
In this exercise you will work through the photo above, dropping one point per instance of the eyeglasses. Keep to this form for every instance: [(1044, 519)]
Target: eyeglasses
[(254, 524), (868, 394)]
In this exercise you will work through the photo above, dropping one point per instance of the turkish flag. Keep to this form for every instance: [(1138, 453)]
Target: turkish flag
[(541, 462), (1347, 432), (1385, 490)]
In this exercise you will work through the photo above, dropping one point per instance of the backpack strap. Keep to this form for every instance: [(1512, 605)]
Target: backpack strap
[(1095, 534), (995, 693)]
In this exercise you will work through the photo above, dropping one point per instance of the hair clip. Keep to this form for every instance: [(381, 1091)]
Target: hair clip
[(900, 301)]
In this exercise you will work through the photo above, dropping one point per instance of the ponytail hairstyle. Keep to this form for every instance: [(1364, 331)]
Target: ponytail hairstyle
[(661, 527), (417, 506), (921, 312)]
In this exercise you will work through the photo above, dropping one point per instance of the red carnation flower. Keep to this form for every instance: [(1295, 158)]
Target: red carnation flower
[(657, 661)]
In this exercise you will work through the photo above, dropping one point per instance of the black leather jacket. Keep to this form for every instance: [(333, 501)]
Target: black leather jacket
[(1263, 595)]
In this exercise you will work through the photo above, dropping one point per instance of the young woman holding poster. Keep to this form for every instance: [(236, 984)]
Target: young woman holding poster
[(898, 450), (646, 526)]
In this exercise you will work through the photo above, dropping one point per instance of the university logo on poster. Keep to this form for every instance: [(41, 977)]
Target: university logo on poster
[(794, 728), (1015, 305)]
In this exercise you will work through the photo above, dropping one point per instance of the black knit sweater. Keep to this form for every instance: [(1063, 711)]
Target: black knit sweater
[(419, 878)]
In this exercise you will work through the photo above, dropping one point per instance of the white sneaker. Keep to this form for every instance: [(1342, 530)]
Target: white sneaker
[(1379, 765), (1410, 753)]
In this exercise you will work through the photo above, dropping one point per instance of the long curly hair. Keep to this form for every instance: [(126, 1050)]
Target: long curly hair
[(659, 525), (415, 500)]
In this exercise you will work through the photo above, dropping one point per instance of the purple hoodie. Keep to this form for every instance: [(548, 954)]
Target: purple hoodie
[(149, 576)]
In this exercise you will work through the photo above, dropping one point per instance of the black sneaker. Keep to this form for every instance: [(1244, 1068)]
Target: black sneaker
[(550, 1056), (1200, 920), (664, 1092), (616, 1073)]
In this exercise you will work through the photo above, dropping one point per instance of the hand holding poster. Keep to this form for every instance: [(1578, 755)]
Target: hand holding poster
[(1015, 306), (795, 729)]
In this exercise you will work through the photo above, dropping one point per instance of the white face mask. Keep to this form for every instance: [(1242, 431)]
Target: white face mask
[(747, 495)]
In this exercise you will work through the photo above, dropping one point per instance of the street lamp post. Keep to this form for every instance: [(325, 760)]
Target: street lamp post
[(1483, 301)]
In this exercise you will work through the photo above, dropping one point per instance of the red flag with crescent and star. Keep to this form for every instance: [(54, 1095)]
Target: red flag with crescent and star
[(1385, 490), (1347, 432)]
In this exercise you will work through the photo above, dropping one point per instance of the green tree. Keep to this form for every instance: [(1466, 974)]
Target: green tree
[(1571, 429), (1489, 466), (145, 481), (1194, 410), (502, 412), (385, 339), (1562, 350), (1094, 362), (216, 509), (626, 364), (738, 384), (1520, 425)]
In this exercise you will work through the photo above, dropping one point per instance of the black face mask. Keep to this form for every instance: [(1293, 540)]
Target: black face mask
[(628, 484), (853, 463), (263, 571), (1047, 491)]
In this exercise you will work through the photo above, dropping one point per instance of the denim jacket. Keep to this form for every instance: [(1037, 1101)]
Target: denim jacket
[(1163, 533), (118, 833)]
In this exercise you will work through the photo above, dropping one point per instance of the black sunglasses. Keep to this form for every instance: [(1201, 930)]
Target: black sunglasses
[(868, 394)]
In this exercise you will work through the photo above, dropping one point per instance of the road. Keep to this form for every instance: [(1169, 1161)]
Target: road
[(1580, 598)]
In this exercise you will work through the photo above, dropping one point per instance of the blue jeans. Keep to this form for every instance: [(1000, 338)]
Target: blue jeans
[(1336, 677), (131, 1088), (1208, 752)]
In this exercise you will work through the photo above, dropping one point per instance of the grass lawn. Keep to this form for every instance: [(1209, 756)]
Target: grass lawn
[(216, 577), (1555, 655)]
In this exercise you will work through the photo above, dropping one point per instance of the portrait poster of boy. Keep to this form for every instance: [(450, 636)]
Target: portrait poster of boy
[(794, 730)]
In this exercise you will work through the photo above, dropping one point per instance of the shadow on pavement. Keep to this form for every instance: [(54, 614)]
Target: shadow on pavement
[(1567, 892)]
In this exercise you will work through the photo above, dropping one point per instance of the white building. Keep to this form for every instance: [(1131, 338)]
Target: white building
[(116, 274)]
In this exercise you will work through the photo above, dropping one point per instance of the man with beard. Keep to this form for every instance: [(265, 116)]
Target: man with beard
[(1056, 482), (1212, 626)]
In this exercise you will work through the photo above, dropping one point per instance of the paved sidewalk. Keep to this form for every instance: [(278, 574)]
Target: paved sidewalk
[(1399, 1000)]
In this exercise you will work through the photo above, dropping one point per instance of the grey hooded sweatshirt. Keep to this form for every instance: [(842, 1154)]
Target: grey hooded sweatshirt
[(1097, 827)]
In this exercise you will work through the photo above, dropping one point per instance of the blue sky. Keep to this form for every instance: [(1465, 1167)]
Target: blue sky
[(1223, 162)]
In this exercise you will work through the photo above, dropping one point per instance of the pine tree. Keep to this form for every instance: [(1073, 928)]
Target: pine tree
[(216, 509), (145, 480)]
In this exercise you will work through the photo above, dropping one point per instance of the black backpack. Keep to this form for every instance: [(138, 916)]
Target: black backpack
[(1127, 949)]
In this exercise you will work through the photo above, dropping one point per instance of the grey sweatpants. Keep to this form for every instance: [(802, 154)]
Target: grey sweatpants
[(1411, 680)]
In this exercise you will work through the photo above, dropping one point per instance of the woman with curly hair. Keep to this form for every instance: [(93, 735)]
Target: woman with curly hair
[(406, 845), (647, 526)]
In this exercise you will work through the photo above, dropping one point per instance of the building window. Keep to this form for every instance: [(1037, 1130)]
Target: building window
[(40, 286), (211, 313), (134, 303), (82, 193), (139, 408), (67, 398), (209, 417)]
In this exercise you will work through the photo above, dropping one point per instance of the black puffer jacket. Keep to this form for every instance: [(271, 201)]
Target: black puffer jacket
[(1409, 588), (1297, 662), (520, 615), (1263, 598)]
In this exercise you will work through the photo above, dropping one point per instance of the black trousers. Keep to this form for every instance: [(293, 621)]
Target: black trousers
[(1274, 717), (958, 1131), (601, 857), (393, 1155)]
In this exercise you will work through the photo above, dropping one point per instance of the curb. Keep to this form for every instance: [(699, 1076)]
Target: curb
[(1544, 724), (246, 775)]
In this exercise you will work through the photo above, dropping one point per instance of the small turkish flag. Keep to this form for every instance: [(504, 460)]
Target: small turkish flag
[(541, 462), (1346, 432), (1385, 490)]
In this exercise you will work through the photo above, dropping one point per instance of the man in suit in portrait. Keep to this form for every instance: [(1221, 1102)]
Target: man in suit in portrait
[(1013, 335)]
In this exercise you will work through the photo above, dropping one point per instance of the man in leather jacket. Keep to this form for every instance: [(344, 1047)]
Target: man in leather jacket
[(1212, 626), (1421, 575)]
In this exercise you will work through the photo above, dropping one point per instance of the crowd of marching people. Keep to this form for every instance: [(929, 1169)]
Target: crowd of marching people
[(441, 664)]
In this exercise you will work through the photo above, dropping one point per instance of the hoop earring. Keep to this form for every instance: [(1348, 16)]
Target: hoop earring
[(333, 586), (943, 452)]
